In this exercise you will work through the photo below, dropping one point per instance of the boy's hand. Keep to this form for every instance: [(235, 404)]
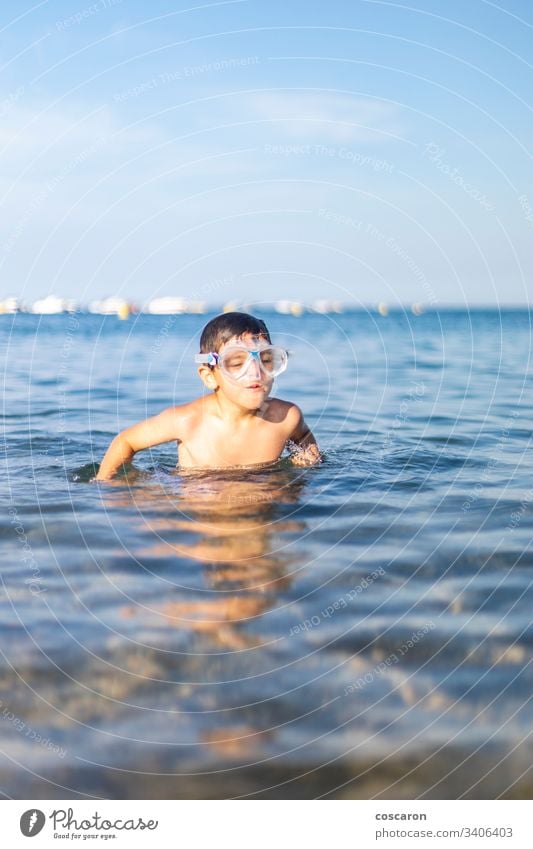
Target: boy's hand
[(309, 456)]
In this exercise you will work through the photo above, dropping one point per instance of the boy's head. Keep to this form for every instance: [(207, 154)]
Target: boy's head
[(243, 379), (229, 325)]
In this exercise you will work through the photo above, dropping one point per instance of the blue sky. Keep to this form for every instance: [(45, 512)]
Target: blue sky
[(360, 151)]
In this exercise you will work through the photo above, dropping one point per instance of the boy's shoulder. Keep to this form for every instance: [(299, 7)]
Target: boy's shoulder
[(280, 411), (186, 415)]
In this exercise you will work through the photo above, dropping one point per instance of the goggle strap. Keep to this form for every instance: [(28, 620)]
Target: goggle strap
[(210, 359)]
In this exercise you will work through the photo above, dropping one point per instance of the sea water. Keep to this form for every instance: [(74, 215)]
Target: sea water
[(357, 629)]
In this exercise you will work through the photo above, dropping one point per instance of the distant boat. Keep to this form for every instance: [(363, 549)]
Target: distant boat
[(231, 306), (167, 306), (324, 306), (289, 307), (52, 305), (10, 305), (110, 306)]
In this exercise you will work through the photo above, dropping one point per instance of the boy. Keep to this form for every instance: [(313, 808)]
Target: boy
[(238, 424)]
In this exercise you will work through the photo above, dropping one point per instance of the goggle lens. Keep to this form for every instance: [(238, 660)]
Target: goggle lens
[(236, 361)]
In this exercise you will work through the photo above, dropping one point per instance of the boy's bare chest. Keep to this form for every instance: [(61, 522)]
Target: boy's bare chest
[(217, 445)]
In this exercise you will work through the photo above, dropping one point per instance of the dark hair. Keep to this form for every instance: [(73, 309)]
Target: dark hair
[(223, 327)]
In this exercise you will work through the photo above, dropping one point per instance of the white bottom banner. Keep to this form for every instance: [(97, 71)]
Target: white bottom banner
[(310, 824)]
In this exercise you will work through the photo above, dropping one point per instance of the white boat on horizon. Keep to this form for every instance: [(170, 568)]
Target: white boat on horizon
[(167, 306), (52, 305), (10, 305), (322, 305), (286, 307), (111, 306)]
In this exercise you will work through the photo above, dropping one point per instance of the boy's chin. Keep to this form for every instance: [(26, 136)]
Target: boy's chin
[(253, 399), (255, 404)]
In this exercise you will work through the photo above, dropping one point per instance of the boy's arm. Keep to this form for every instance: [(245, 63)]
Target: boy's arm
[(164, 427), (308, 452)]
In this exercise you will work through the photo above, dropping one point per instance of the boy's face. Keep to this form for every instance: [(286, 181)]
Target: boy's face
[(251, 389)]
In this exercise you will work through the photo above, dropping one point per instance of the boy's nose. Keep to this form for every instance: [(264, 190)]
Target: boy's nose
[(254, 367)]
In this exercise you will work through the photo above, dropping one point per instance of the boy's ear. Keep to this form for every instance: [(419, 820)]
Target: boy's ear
[(207, 377)]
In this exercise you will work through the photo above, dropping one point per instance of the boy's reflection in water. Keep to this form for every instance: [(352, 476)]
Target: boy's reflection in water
[(237, 532), (235, 521)]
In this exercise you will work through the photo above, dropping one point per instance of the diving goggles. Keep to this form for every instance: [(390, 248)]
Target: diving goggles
[(235, 360)]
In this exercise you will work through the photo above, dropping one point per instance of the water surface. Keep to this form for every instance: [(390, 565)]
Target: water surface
[(359, 629)]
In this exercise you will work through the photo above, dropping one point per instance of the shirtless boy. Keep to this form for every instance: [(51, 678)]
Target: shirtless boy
[(238, 423)]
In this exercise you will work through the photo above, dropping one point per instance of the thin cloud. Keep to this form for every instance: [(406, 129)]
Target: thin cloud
[(328, 117), (39, 138)]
